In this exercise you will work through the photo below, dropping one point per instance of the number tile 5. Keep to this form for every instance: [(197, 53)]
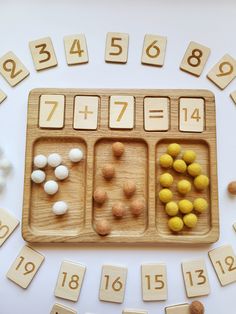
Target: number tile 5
[(223, 260), (70, 280), (25, 267), (154, 49), (43, 54), (51, 111), (195, 278), (117, 47), (12, 69), (113, 282)]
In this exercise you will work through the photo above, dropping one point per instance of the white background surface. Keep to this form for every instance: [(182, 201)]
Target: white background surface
[(210, 22)]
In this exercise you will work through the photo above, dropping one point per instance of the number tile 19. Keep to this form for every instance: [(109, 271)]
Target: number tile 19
[(70, 281), (113, 282), (195, 278), (25, 267), (223, 260)]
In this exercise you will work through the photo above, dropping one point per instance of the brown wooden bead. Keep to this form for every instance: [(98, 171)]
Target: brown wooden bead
[(100, 196), (103, 227), (118, 209), (129, 188), (108, 171), (196, 307), (232, 187), (118, 149)]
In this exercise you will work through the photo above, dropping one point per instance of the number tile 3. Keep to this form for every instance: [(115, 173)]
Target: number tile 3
[(25, 267)]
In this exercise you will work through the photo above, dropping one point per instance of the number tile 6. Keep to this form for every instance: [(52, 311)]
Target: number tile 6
[(154, 49)]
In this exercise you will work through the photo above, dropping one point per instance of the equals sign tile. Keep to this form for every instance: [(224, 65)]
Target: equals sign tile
[(156, 112)]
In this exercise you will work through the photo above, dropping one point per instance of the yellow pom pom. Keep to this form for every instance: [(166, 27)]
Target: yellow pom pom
[(185, 206), (200, 205), (174, 149), (180, 166), (166, 161), (184, 186), (190, 220), (175, 224), (165, 195), (189, 156), (194, 169), (166, 180), (172, 208), (201, 182)]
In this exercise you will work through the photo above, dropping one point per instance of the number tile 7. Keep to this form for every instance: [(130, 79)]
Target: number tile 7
[(113, 282), (25, 267)]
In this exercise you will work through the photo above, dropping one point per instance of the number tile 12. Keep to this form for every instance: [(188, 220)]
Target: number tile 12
[(25, 267), (113, 282), (223, 260), (70, 281)]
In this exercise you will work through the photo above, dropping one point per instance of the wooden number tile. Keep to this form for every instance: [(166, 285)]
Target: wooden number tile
[(234, 226), (233, 96), (178, 309), (117, 47), (86, 112), (154, 49), (8, 224), (76, 49), (113, 281), (121, 112), (195, 278), (70, 280), (61, 309), (12, 69), (154, 282), (25, 267), (43, 54), (224, 262), (51, 111), (133, 311), (3, 96), (156, 114), (223, 72), (195, 59), (191, 115)]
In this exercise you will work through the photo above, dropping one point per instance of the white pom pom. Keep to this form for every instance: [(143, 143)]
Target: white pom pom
[(61, 172), (38, 176), (2, 183), (75, 154), (54, 160), (5, 165), (51, 187), (60, 208), (40, 161)]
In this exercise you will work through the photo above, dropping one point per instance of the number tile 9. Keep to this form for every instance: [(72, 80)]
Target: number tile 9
[(154, 49), (25, 267), (113, 282)]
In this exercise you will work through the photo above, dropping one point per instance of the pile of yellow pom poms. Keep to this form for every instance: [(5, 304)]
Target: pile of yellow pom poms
[(184, 212)]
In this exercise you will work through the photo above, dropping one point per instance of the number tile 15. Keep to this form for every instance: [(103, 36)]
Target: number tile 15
[(25, 267), (70, 281), (223, 260), (113, 282)]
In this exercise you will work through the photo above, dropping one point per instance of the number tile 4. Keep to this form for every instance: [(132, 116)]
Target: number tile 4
[(12, 69), (113, 282), (154, 282), (70, 281), (43, 53), (61, 309), (223, 73), (178, 309), (3, 96), (8, 224), (154, 49), (195, 58), (121, 110), (223, 260), (76, 49), (25, 267), (134, 311), (195, 278), (117, 47)]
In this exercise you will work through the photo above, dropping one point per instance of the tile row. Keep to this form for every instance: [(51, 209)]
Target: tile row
[(122, 113)]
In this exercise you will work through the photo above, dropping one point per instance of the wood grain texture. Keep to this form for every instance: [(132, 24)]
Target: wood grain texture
[(139, 162)]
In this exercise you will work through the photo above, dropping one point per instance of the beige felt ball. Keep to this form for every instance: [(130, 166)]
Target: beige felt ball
[(100, 196), (129, 188), (137, 206), (118, 149), (118, 209), (196, 307), (108, 171), (103, 227)]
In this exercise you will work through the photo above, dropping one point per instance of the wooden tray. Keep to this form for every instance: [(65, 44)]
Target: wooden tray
[(139, 163)]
